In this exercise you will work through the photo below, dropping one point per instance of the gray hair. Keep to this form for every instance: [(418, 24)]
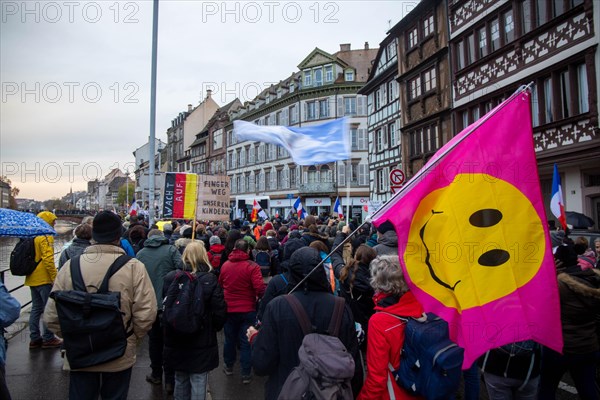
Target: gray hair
[(387, 275)]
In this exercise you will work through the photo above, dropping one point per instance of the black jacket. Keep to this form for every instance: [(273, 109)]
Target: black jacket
[(275, 348), (198, 352)]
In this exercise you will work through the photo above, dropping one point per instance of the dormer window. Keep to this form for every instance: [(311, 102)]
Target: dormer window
[(307, 78), (349, 76), (329, 73), (292, 86)]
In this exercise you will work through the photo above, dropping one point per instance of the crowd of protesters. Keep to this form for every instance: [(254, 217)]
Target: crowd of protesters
[(246, 268)]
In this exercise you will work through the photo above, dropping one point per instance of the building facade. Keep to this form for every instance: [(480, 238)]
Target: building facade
[(193, 124), (209, 151), (425, 80), (498, 46), (4, 195), (325, 87), (383, 104), (175, 150)]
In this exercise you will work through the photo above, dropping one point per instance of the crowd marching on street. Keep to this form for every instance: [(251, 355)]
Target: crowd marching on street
[(319, 305)]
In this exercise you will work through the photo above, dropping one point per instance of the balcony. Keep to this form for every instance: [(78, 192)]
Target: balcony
[(316, 188)]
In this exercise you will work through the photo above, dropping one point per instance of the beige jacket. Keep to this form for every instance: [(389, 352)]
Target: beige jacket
[(138, 301)]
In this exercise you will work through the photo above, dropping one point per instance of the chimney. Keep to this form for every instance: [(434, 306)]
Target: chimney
[(345, 47), (208, 93), (366, 45), (189, 108)]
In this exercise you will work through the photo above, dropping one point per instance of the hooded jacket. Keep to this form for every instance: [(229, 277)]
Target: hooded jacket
[(384, 344), (388, 244), (160, 258), (45, 272), (75, 249), (242, 282), (275, 348), (579, 309), (138, 304)]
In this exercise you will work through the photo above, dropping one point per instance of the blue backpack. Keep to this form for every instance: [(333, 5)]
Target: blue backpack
[(430, 363), (263, 259)]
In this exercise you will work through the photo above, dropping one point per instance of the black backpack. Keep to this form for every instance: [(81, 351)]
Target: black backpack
[(183, 306), (22, 258), (91, 323)]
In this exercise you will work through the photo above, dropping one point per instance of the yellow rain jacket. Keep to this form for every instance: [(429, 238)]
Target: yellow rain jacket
[(45, 272)]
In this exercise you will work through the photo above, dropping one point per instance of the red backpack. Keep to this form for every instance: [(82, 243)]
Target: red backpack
[(215, 260)]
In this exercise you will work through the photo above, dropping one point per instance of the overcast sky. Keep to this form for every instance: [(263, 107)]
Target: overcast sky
[(75, 98)]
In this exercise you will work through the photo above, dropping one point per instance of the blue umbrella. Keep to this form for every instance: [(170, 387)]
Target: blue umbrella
[(22, 224)]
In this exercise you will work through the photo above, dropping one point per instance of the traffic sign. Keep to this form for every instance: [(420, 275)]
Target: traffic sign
[(396, 177)]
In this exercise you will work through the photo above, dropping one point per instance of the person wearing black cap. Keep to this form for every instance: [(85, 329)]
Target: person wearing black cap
[(579, 293), (387, 239), (138, 305)]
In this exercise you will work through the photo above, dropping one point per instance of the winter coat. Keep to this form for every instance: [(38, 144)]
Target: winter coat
[(10, 309), (280, 284), (160, 258), (198, 352), (242, 282), (579, 309), (384, 343), (213, 251), (138, 301), (275, 348), (388, 244), (76, 248), (45, 272), (275, 247), (310, 237)]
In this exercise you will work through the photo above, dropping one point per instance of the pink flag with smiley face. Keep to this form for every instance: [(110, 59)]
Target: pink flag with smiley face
[(472, 236)]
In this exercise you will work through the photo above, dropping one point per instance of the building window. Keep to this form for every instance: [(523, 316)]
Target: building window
[(292, 87), (307, 78), (328, 73), (548, 100), (354, 139), (582, 89), (392, 91), (323, 108), (293, 177), (509, 26), (565, 94), (293, 115), (311, 110), (430, 139), (393, 135), (429, 79), (414, 86), (349, 76), (380, 137), (349, 105), (318, 77), (428, 26), (381, 180), (312, 174), (412, 38), (483, 49), (391, 50), (495, 34), (363, 174), (460, 55), (218, 139)]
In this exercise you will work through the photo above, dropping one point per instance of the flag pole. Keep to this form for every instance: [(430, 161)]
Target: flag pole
[(414, 179), (438, 157)]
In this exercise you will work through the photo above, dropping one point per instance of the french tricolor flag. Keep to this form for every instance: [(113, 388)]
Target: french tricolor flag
[(337, 208), (299, 208), (557, 204)]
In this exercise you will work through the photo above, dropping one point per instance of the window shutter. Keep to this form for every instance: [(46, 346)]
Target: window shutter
[(340, 106)]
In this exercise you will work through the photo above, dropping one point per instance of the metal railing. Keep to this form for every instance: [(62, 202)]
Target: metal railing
[(4, 271)]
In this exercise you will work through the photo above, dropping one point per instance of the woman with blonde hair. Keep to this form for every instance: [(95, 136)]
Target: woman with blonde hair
[(386, 332), (193, 355)]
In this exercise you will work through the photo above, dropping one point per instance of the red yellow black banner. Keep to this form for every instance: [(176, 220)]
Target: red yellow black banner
[(181, 195)]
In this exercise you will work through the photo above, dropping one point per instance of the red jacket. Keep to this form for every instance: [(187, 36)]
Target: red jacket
[(213, 251), (384, 342), (242, 282)]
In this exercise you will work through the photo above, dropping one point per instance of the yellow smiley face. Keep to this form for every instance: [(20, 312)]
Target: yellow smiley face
[(474, 241)]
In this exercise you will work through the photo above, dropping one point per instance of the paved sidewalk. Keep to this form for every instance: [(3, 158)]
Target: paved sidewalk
[(38, 374)]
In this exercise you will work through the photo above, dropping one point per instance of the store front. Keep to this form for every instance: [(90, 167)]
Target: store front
[(356, 208), (318, 205), (281, 207)]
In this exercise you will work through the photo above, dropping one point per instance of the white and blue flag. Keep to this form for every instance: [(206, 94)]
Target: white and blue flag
[(299, 209), (337, 208), (308, 145)]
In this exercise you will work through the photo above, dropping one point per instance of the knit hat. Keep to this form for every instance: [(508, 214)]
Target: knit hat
[(385, 227), (214, 239), (107, 227), (167, 227)]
